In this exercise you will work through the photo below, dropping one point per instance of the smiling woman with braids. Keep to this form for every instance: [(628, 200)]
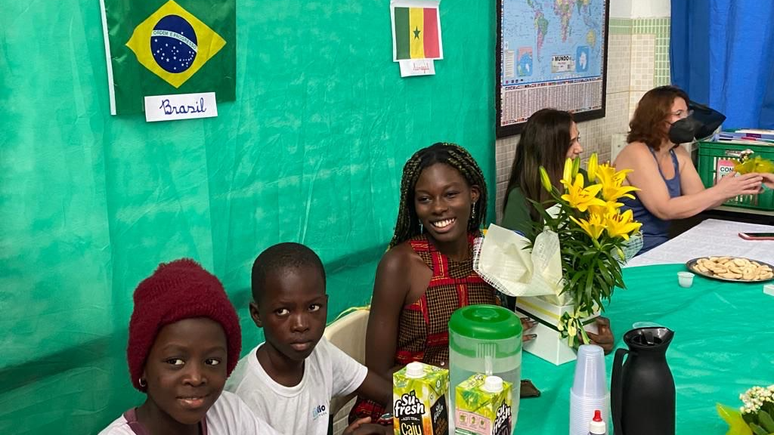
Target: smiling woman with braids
[(427, 273)]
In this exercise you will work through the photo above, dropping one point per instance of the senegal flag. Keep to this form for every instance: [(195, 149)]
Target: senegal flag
[(416, 30), (161, 47)]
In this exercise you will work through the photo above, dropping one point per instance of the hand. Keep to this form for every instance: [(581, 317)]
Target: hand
[(604, 336), (363, 426), (527, 324), (355, 425), (733, 184), (768, 180)]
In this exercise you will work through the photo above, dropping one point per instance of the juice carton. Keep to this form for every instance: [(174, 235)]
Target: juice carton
[(483, 406), (419, 400)]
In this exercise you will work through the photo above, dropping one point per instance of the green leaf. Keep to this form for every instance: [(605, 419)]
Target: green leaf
[(765, 420), (757, 430), (574, 281), (588, 288)]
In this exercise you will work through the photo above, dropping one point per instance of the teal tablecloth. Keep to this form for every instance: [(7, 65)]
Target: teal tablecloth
[(723, 344)]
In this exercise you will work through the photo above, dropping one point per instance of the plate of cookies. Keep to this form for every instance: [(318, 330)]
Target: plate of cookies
[(734, 269)]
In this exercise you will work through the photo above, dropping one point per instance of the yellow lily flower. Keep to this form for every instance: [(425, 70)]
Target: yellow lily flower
[(621, 224), (579, 197), (592, 167), (545, 180), (576, 166), (594, 226), (567, 173), (612, 183), (610, 207)]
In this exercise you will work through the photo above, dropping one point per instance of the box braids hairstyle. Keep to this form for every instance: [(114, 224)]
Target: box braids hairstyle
[(459, 158)]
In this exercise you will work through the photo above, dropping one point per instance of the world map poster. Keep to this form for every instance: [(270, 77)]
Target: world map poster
[(552, 53)]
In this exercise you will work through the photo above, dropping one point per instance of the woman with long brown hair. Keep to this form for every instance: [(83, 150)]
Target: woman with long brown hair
[(549, 137)]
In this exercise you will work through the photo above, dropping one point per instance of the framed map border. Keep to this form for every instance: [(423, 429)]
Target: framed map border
[(502, 131)]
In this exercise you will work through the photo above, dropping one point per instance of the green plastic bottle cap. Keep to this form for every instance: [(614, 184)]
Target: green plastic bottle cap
[(485, 322)]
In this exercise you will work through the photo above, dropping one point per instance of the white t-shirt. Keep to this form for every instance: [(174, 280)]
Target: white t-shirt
[(228, 416), (304, 408)]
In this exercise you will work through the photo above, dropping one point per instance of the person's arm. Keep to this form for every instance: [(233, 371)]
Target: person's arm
[(653, 190), (390, 289), (376, 388), (604, 337), (690, 181), (768, 180)]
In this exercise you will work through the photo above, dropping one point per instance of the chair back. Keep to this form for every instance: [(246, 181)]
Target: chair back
[(348, 333)]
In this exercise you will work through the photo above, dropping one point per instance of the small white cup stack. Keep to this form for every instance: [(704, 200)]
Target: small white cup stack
[(589, 389)]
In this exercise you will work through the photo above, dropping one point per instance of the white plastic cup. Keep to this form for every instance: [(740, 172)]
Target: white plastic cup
[(590, 379), (685, 279), (589, 388), (582, 411)]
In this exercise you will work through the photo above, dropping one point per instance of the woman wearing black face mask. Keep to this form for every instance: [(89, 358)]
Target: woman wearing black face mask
[(670, 187)]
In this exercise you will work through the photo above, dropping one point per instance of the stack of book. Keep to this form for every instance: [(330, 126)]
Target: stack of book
[(746, 136)]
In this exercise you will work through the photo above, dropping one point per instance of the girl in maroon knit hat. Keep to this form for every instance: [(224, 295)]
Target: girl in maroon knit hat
[(184, 341)]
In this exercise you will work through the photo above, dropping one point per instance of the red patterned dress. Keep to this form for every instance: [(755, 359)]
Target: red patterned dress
[(423, 330)]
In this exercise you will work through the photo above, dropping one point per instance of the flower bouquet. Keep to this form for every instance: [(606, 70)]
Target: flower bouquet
[(748, 164), (593, 236), (755, 416), (564, 271)]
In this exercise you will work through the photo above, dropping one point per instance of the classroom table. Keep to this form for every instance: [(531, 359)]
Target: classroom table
[(723, 345), (710, 237)]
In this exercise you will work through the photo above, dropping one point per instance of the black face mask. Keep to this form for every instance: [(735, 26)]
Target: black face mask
[(684, 130)]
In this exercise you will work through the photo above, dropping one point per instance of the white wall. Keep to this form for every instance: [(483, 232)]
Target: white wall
[(640, 8), (651, 8), (621, 8)]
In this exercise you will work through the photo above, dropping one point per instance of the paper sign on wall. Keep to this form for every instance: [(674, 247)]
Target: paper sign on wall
[(416, 36), (417, 67), (180, 106)]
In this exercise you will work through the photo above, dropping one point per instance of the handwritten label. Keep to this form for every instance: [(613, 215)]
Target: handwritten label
[(180, 106), (417, 67)]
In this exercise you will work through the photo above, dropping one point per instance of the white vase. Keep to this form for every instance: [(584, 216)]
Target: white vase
[(549, 344)]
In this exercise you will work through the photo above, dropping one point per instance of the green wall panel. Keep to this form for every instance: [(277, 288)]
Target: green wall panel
[(311, 151)]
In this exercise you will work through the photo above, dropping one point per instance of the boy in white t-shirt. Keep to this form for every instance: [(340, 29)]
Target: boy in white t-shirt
[(290, 379)]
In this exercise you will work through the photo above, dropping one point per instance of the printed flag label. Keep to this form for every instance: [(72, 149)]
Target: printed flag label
[(416, 30), (173, 44)]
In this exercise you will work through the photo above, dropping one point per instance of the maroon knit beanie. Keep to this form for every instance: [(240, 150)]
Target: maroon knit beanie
[(178, 290)]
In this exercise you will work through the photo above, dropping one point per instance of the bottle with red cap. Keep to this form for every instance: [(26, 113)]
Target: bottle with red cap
[(597, 426)]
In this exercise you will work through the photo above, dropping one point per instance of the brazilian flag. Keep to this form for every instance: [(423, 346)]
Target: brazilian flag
[(162, 47)]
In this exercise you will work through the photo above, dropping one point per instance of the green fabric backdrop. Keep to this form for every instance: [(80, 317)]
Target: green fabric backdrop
[(311, 151)]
